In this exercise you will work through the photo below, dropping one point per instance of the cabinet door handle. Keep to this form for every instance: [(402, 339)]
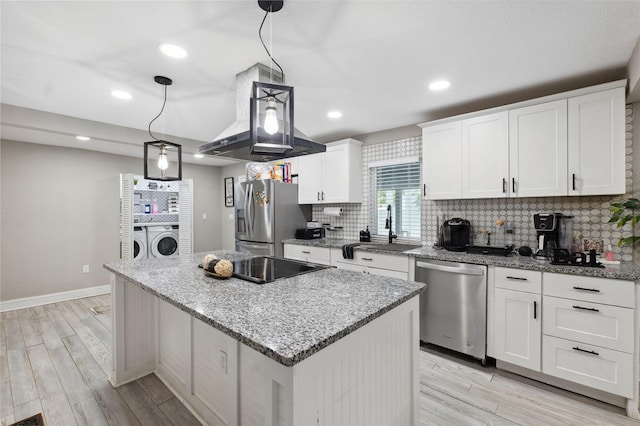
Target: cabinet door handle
[(573, 177), (367, 258), (424, 189), (306, 252), (535, 309), (586, 309), (595, 290), (504, 186), (586, 351), (323, 195), (513, 185), (516, 278), (318, 195)]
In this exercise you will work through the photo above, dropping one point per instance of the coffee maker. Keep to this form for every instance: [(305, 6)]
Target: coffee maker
[(455, 234), (546, 226)]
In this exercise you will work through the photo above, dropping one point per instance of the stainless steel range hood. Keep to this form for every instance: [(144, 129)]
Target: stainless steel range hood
[(234, 141)]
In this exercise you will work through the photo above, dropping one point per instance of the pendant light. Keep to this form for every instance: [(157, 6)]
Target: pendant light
[(271, 105), (162, 159)]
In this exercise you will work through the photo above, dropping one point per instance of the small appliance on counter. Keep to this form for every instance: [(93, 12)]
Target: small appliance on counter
[(455, 234), (365, 236), (553, 230), (308, 233)]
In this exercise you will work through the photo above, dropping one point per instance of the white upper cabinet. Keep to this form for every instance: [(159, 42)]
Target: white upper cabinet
[(538, 149), (441, 167), (485, 156), (596, 143), (334, 176)]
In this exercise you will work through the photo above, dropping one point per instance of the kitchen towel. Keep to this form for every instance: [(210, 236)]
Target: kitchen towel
[(332, 211), (347, 250)]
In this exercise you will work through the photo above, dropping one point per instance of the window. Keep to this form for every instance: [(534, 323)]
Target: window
[(396, 183)]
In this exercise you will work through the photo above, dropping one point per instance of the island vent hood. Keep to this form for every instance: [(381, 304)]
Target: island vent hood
[(235, 140)]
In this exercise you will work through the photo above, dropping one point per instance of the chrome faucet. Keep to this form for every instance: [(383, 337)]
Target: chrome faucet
[(389, 225)]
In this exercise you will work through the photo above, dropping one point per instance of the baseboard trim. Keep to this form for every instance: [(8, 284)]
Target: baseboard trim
[(29, 302)]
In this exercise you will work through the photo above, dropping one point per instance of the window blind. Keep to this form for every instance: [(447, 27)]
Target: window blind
[(398, 185)]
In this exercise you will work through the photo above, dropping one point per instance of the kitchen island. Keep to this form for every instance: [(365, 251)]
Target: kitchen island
[(326, 347)]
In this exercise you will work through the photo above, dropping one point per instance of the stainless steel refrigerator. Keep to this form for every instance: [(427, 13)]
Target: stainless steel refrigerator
[(267, 212)]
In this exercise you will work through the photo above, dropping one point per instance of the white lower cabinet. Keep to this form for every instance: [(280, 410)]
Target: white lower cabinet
[(385, 265), (313, 254), (517, 328), (604, 369)]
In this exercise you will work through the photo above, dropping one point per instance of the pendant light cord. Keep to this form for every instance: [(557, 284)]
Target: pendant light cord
[(159, 114), (265, 46)]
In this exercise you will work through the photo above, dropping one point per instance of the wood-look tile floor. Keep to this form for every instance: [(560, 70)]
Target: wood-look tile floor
[(55, 359)]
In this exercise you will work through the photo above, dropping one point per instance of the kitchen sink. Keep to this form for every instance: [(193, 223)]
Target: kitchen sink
[(393, 247)]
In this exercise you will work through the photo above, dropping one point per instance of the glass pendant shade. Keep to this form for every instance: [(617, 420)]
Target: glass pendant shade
[(162, 161), (271, 121)]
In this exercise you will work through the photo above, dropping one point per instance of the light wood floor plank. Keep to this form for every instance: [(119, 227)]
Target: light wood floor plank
[(105, 320), (72, 381), (88, 413), (6, 421), (142, 406), (115, 410), (48, 331), (56, 410), (44, 372), (178, 413), (69, 314), (6, 400), (29, 326), (4, 369), (39, 312), (432, 412), (23, 385), (79, 308), (97, 350), (100, 331), (87, 366), (28, 409), (157, 391), (13, 332), (59, 322)]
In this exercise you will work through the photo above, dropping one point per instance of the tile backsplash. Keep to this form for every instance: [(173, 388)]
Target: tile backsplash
[(591, 214)]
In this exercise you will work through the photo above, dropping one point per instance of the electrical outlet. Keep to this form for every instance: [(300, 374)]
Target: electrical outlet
[(85, 269), (223, 361)]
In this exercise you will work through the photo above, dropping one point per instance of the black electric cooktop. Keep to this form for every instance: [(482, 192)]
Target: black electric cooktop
[(265, 269)]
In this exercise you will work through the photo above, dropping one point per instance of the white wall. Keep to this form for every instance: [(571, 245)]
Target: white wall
[(227, 213), (60, 210)]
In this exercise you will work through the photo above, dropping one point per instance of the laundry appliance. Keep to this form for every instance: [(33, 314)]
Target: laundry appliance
[(162, 240), (139, 243)]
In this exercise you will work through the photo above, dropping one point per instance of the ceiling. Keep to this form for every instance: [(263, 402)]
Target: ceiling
[(372, 60)]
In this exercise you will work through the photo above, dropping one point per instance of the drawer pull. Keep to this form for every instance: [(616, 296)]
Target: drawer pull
[(367, 258), (306, 252), (516, 278), (595, 290), (586, 351), (535, 309), (586, 309)]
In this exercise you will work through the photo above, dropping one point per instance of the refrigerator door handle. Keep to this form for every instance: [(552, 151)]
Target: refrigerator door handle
[(248, 208)]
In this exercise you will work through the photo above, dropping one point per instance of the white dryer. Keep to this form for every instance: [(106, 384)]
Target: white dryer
[(139, 243), (162, 240)]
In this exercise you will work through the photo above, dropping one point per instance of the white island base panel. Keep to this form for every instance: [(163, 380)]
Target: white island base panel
[(370, 376)]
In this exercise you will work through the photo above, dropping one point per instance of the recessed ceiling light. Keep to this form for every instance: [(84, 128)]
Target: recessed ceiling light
[(334, 114), (121, 94), (439, 85), (83, 138), (173, 50), (198, 155)]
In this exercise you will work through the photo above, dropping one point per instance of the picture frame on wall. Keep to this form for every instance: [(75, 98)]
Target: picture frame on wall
[(228, 192)]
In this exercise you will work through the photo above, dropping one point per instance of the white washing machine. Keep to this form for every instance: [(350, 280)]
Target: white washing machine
[(139, 243), (162, 240)]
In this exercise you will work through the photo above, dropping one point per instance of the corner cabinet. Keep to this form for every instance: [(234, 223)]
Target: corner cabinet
[(441, 167), (597, 143), (334, 176)]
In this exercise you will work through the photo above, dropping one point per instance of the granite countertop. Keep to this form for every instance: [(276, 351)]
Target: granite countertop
[(623, 271), (287, 320)]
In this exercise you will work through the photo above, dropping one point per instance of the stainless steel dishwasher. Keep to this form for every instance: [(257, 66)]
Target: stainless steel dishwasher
[(453, 308)]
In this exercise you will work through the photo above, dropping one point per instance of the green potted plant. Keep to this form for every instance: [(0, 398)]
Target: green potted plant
[(623, 212)]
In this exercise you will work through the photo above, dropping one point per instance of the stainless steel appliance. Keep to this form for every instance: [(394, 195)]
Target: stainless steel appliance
[(266, 212), (453, 308), (261, 270), (455, 234)]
